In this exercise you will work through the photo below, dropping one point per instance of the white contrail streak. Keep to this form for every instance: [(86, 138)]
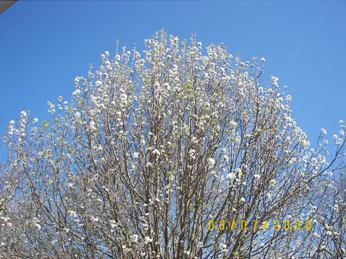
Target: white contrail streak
[(305, 41)]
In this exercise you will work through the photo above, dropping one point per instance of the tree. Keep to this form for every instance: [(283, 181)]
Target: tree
[(157, 156)]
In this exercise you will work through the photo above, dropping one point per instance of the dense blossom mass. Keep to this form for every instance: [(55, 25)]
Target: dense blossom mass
[(152, 147)]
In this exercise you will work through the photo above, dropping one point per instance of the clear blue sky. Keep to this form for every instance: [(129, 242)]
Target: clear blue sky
[(44, 45)]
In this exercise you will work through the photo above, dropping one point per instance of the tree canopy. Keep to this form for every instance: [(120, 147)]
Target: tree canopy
[(156, 148)]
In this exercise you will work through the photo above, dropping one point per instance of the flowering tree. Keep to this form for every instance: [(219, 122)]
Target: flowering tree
[(174, 154)]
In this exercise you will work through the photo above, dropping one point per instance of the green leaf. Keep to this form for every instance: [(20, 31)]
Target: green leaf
[(45, 125)]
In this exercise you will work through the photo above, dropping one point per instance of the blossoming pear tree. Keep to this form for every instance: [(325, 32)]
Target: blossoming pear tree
[(155, 145)]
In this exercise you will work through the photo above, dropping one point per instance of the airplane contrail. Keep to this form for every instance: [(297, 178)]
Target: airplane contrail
[(304, 42)]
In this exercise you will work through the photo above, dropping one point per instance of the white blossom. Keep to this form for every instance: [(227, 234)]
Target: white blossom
[(76, 92), (231, 176), (77, 115), (134, 238), (274, 80), (211, 162), (147, 240), (272, 182), (323, 131)]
